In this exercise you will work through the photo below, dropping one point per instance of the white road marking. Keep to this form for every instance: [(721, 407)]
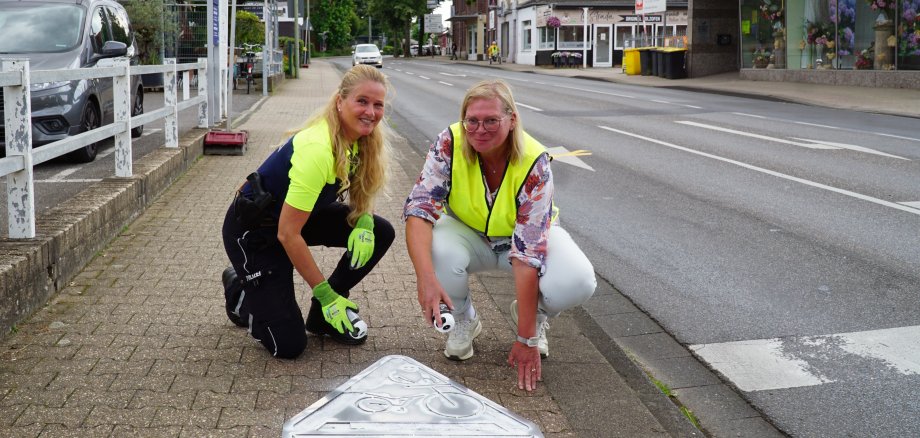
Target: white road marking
[(452, 74), (60, 175), (445, 83), (662, 101), (560, 153), (913, 204), (758, 136), (828, 126), (532, 108), (854, 148), (817, 125), (105, 153), (881, 202), (896, 136), (86, 180), (596, 92), (691, 106), (766, 364), (757, 365), (749, 115), (424, 77), (150, 131)]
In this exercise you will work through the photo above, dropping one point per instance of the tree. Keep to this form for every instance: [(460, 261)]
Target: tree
[(335, 17), (151, 21), (249, 30), (397, 15)]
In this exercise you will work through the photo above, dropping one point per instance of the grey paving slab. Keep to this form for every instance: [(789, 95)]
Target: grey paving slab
[(627, 324), (715, 402)]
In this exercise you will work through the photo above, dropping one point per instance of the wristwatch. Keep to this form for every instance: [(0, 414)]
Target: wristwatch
[(530, 342)]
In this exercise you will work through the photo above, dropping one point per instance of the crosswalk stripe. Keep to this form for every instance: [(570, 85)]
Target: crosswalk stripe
[(791, 362)]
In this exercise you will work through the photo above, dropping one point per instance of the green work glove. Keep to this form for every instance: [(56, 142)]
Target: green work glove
[(334, 306), (361, 241)]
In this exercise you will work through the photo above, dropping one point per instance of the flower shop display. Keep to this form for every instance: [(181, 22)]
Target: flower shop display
[(761, 58), (772, 11), (821, 41), (842, 14), (864, 58), (909, 34)]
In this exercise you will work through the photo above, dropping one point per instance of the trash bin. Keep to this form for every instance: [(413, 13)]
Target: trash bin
[(645, 59), (654, 61), (674, 63), (659, 59), (631, 63)]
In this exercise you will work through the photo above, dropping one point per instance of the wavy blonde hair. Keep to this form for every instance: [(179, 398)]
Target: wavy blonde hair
[(495, 89), (373, 149)]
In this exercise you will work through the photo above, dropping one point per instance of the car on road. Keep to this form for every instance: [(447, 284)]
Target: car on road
[(367, 54), (67, 35)]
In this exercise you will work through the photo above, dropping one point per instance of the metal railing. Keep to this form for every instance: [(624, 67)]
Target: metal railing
[(18, 165)]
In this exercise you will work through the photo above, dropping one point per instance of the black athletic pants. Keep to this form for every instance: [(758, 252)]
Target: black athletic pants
[(268, 301)]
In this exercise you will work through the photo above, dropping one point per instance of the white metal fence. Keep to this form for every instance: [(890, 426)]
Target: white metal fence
[(18, 165)]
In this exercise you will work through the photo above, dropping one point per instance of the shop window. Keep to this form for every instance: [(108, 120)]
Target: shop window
[(624, 37), (908, 34), (526, 36), (547, 38), (763, 33), (572, 37)]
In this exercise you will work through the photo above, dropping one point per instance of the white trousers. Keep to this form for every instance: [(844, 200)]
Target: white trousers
[(457, 251)]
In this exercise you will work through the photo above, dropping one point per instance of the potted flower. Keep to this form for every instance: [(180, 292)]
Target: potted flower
[(761, 58), (864, 59), (554, 22)]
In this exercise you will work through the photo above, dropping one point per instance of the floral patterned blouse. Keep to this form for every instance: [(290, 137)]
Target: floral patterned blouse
[(428, 200)]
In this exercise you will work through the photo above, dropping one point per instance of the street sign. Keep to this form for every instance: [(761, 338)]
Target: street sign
[(434, 23), (650, 6)]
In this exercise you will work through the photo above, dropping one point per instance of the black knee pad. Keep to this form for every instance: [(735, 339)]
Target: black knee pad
[(283, 338), (233, 297)]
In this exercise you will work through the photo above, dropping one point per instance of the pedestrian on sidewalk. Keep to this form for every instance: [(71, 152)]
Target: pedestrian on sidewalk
[(453, 52), (294, 201), (497, 181)]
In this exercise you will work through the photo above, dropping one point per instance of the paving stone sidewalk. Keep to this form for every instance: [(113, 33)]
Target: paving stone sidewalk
[(139, 345)]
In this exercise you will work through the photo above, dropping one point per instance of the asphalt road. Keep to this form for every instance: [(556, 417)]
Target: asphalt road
[(58, 179), (778, 242)]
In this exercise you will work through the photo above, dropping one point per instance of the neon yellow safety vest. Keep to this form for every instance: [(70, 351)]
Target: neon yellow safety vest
[(467, 198)]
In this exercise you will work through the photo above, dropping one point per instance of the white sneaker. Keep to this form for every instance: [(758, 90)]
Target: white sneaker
[(542, 327), (460, 340)]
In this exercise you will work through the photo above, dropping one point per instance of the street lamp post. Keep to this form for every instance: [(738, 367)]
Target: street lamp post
[(369, 29)]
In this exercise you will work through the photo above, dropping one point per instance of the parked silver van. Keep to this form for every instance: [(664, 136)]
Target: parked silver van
[(69, 34)]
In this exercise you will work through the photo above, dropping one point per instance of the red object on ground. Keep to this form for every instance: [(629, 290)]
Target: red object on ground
[(226, 138)]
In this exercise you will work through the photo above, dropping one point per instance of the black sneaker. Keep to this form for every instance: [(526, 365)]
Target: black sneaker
[(233, 291), (318, 326)]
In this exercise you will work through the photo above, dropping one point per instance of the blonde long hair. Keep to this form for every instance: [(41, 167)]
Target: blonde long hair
[(492, 89), (373, 149)]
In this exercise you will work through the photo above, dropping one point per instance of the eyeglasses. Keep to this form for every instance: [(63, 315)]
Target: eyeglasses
[(490, 125)]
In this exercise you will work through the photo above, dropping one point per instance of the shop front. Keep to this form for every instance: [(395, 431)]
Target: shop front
[(825, 35), (558, 36)]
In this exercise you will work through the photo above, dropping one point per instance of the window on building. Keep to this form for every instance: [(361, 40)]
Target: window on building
[(624, 37), (572, 37), (547, 38), (526, 38)]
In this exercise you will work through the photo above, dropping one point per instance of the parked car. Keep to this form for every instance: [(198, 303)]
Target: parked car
[(66, 35), (367, 54)]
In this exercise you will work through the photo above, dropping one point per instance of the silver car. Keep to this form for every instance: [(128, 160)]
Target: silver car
[(367, 54), (69, 34)]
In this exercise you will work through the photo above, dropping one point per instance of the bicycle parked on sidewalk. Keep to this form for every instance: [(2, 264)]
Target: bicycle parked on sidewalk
[(248, 65)]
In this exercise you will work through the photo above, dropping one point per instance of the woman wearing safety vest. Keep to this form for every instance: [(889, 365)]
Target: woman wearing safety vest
[(294, 201), (496, 183)]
